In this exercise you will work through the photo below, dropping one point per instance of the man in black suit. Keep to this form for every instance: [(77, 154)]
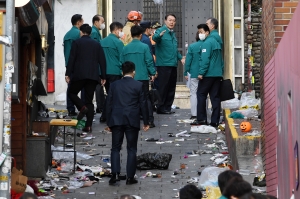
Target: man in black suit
[(83, 66), (124, 102)]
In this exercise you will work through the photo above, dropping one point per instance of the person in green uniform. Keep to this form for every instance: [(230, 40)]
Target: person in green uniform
[(98, 24), (210, 74), (167, 57), (70, 36), (113, 47), (213, 24), (139, 53), (192, 67)]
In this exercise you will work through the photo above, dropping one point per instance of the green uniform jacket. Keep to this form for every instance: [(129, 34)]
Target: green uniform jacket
[(211, 61), (215, 34), (139, 53), (70, 36), (113, 48), (96, 34), (166, 48), (192, 59)]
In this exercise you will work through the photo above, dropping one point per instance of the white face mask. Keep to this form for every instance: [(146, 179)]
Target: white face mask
[(102, 26), (202, 36), (121, 34)]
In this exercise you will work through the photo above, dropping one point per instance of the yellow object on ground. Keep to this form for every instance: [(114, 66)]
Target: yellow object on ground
[(213, 192)]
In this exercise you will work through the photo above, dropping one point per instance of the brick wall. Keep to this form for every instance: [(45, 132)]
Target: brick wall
[(283, 12), (276, 16)]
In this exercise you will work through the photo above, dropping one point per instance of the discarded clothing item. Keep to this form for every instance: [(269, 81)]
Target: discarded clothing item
[(260, 181), (203, 129), (236, 115), (149, 161)]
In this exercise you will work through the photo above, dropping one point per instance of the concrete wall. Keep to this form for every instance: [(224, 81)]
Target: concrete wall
[(62, 24)]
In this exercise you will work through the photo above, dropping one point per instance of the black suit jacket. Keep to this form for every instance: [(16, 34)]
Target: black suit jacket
[(85, 58), (125, 101)]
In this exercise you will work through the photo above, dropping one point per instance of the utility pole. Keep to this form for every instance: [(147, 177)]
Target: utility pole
[(5, 169)]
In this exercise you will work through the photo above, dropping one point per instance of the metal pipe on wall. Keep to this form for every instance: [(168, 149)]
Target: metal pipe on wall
[(249, 49)]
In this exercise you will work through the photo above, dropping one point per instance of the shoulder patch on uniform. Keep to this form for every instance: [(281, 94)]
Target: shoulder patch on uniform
[(204, 50)]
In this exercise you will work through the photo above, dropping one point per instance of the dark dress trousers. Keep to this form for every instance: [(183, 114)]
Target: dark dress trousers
[(83, 66), (124, 102)]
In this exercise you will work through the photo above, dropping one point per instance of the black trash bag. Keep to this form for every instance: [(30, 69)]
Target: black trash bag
[(149, 161), (154, 95)]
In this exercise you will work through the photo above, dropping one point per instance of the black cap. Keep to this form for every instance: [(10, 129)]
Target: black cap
[(145, 24), (155, 25)]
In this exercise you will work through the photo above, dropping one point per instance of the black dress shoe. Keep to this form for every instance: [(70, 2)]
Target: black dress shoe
[(193, 118), (201, 122), (151, 125), (214, 124), (164, 112), (72, 113), (82, 112), (102, 119), (87, 129), (131, 181), (98, 110), (113, 180)]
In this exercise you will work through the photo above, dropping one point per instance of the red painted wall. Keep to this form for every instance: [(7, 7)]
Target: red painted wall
[(282, 76)]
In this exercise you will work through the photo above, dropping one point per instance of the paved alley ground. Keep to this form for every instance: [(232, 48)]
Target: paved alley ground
[(148, 187)]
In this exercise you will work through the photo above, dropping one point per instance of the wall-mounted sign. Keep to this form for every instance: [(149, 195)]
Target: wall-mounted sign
[(20, 3), (237, 26)]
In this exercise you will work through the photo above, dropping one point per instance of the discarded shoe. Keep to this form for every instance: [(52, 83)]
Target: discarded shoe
[(151, 140), (82, 112), (130, 181)]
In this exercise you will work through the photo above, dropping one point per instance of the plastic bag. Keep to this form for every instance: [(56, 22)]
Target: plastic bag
[(66, 155), (203, 129), (75, 184), (209, 176), (149, 161), (248, 101), (80, 124), (248, 112), (230, 104)]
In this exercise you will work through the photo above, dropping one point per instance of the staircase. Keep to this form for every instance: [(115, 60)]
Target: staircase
[(182, 97)]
